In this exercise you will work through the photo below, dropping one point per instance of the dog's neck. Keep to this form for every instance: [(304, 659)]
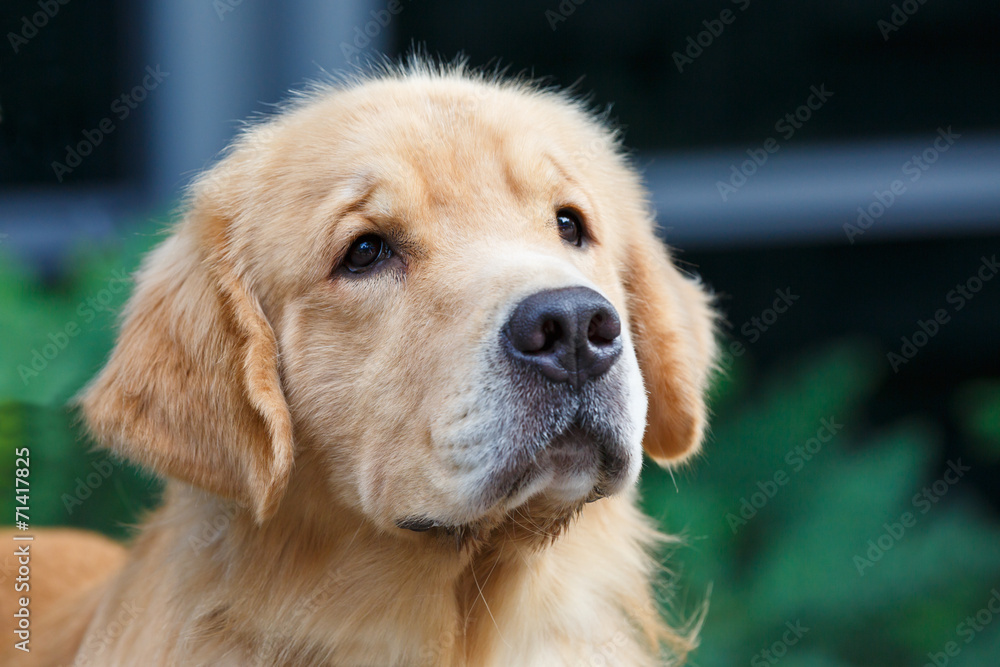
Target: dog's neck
[(334, 585)]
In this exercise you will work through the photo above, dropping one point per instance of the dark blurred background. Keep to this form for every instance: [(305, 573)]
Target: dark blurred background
[(831, 170)]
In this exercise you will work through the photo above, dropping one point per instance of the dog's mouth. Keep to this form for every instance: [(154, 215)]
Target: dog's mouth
[(576, 465), (545, 487)]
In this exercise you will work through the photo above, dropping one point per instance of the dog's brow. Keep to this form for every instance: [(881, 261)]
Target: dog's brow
[(561, 169), (360, 191), (366, 204), (403, 240)]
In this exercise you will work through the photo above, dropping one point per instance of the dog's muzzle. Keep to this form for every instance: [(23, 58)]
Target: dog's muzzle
[(565, 416)]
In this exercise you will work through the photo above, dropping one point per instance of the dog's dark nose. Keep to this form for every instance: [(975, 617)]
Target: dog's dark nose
[(569, 335)]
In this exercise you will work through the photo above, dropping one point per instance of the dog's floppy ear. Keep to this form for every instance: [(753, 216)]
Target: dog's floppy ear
[(191, 389), (673, 326)]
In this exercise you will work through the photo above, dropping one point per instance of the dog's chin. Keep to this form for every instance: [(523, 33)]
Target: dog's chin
[(574, 468), (577, 466), (536, 497)]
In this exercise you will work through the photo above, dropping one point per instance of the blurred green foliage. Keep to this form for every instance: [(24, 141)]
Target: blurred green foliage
[(827, 548), (978, 405), (791, 559), (56, 337)]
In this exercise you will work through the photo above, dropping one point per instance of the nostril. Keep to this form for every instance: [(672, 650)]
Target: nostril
[(536, 338), (594, 333), (603, 329), (552, 332)]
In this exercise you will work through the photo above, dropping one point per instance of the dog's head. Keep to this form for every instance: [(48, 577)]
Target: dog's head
[(447, 290)]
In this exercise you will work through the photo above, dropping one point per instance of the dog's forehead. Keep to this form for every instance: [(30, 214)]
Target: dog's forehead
[(458, 153), (446, 149), (438, 157), (448, 185)]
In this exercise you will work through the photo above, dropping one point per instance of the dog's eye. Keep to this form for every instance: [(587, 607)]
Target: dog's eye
[(570, 227), (366, 252)]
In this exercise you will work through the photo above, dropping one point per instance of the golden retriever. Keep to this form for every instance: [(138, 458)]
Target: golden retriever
[(398, 364)]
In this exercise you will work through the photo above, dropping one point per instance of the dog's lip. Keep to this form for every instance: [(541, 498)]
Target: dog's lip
[(575, 451), (575, 454), (417, 524)]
